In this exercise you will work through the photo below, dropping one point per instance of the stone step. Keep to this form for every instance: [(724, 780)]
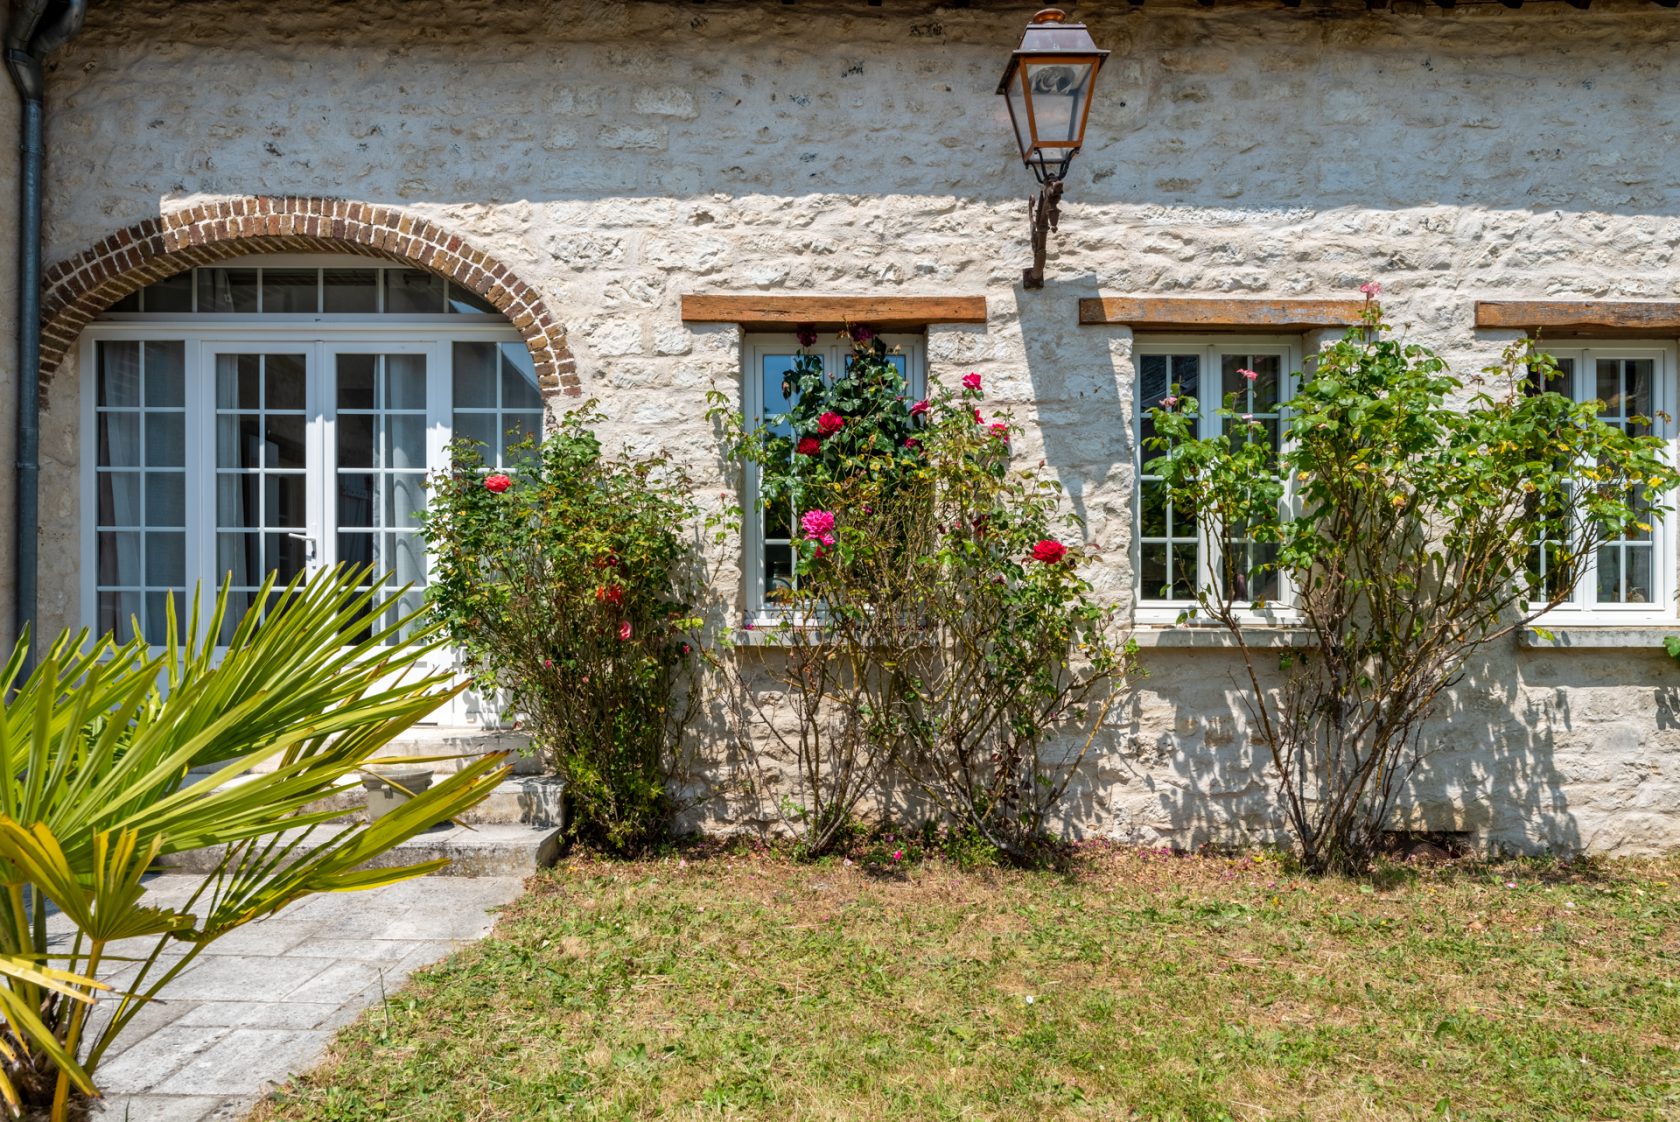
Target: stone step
[(531, 800), (487, 850)]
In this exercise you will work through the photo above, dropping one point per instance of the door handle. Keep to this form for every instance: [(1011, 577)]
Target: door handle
[(308, 541)]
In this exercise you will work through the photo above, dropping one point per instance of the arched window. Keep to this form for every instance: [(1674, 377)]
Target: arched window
[(278, 414)]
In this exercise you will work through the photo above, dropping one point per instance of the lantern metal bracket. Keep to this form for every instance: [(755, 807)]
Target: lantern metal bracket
[(1043, 213)]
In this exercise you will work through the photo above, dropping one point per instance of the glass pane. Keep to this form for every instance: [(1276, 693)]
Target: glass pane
[(474, 377), (405, 381), (778, 569), (119, 498), (413, 292), (129, 303), (166, 498), (519, 378), (119, 375), (405, 437), (779, 392), (290, 291), (232, 374), (172, 294), (355, 499), (284, 436), (462, 301), (348, 291), (116, 610), (405, 498), (1152, 579), (166, 439), (355, 440), (356, 381), (119, 559), (519, 429), (238, 497), (1610, 574), (1639, 586), (286, 555), (1185, 572), (285, 382), (166, 364), (119, 439), (1153, 510), (239, 604), (356, 549), (227, 290), (157, 614), (480, 427), (1058, 91), (1256, 395), (241, 555), (283, 501), (166, 559)]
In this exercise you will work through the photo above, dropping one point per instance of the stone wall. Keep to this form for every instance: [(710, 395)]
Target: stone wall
[(617, 156)]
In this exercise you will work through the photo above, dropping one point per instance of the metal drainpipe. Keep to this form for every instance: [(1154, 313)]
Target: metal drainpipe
[(27, 43)]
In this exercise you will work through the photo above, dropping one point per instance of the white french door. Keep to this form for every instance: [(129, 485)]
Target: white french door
[(319, 455)]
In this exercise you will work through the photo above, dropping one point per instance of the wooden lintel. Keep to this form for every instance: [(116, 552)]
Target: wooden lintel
[(1556, 318), (781, 313), (1202, 313)]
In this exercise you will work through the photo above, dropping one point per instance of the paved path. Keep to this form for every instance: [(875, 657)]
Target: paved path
[(261, 1003)]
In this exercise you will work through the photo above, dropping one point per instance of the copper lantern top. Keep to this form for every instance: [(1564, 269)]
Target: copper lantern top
[(1048, 85)]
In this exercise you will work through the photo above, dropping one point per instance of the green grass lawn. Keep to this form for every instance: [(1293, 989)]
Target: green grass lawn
[(1135, 985)]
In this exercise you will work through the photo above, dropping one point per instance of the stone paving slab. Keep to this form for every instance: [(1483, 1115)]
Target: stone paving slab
[(249, 1013)]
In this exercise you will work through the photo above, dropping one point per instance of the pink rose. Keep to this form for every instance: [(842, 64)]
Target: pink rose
[(818, 526), (497, 483), (971, 381), (830, 423), (1249, 375), (912, 443), (1000, 431), (862, 333), (623, 630), (919, 408), (1168, 402), (1371, 289)]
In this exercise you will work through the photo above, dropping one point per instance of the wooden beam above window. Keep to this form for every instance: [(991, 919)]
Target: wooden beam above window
[(783, 313), (1201, 313), (1582, 317)]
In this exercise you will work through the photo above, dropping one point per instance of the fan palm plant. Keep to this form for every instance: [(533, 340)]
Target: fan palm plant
[(113, 756)]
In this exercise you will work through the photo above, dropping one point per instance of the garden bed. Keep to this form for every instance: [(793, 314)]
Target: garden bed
[(1132, 984)]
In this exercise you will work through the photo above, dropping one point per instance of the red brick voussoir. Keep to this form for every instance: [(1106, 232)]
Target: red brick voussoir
[(78, 288)]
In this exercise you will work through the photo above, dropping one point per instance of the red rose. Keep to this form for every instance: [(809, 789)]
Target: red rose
[(1000, 431), (624, 630), (807, 335), (809, 446), (612, 594), (497, 483), (609, 561), (830, 423), (1049, 552), (919, 408)]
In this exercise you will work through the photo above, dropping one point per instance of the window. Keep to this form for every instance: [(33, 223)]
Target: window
[(1633, 385), (1173, 555), (767, 361), (297, 438)]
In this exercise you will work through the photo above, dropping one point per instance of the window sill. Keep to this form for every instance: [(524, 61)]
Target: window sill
[(1625, 637), (1203, 637)]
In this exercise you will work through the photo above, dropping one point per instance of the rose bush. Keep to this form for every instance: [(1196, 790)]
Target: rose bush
[(567, 585), (923, 644)]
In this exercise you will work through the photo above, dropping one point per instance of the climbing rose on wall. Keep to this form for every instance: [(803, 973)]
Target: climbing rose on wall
[(818, 526), (1049, 551), (497, 483), (809, 446), (830, 423), (971, 381)]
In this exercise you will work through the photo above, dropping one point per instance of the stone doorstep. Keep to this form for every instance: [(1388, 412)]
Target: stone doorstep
[(486, 850)]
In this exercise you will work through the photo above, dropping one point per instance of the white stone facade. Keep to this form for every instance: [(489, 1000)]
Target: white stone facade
[(618, 156)]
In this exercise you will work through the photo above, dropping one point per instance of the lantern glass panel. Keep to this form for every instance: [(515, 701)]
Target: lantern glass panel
[(1059, 91), (1018, 115)]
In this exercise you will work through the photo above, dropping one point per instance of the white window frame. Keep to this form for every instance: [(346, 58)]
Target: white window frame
[(1583, 609), (754, 348), (204, 335), (1155, 611)]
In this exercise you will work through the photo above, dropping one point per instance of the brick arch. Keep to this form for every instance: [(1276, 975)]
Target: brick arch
[(77, 289)]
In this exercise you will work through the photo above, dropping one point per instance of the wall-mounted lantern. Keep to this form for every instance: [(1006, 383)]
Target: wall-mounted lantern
[(1048, 85)]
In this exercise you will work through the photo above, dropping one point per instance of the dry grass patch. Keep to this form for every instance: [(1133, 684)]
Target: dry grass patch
[(1132, 985)]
